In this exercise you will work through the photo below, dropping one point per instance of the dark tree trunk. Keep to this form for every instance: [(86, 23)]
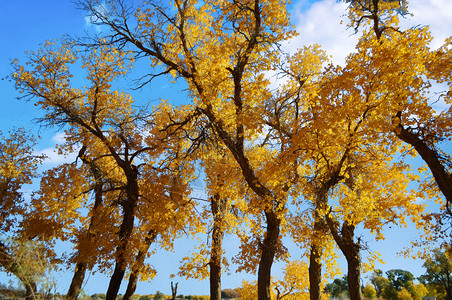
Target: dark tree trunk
[(139, 260), (77, 281), (125, 232), (315, 273), (319, 231), (431, 156), (268, 251), (218, 207), (30, 290), (354, 273), (315, 258), (174, 290), (350, 249)]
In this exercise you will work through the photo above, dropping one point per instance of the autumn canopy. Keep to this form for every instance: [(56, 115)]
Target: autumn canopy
[(310, 154)]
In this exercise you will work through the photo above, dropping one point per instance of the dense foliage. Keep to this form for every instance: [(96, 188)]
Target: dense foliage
[(315, 159)]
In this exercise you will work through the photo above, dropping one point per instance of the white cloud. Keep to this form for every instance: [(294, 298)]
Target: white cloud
[(54, 158), (92, 20), (435, 13), (320, 23), (59, 138), (51, 153)]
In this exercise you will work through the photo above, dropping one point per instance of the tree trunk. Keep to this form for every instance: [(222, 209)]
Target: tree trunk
[(82, 266), (350, 249), (218, 206), (30, 290), (77, 281), (354, 273), (315, 273), (320, 230), (268, 251), (139, 260), (442, 177), (448, 292), (174, 290), (125, 232)]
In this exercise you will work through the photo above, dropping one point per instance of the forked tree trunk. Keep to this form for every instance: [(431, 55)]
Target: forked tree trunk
[(218, 206), (268, 251), (351, 252), (174, 290), (350, 249), (139, 261)]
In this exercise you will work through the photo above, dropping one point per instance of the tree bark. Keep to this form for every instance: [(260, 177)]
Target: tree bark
[(268, 251), (139, 260), (174, 290), (442, 177), (30, 290), (350, 249), (315, 273), (77, 281), (125, 231), (319, 230), (218, 207), (354, 273)]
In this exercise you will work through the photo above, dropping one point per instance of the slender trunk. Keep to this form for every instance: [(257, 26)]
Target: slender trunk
[(82, 266), (315, 257), (174, 290), (218, 207), (125, 232), (268, 251), (139, 260), (30, 290), (449, 292), (77, 281)]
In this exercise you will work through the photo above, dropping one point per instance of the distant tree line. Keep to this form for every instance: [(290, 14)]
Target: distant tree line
[(401, 284)]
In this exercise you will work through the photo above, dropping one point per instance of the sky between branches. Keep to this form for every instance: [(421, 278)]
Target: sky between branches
[(25, 24)]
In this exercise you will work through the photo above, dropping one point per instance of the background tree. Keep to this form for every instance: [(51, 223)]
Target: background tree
[(379, 281), (400, 278), (30, 263), (438, 274), (369, 291), (338, 288), (18, 165), (295, 283), (159, 296)]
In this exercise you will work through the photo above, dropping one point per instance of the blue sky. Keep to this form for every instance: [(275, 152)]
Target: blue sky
[(28, 23)]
